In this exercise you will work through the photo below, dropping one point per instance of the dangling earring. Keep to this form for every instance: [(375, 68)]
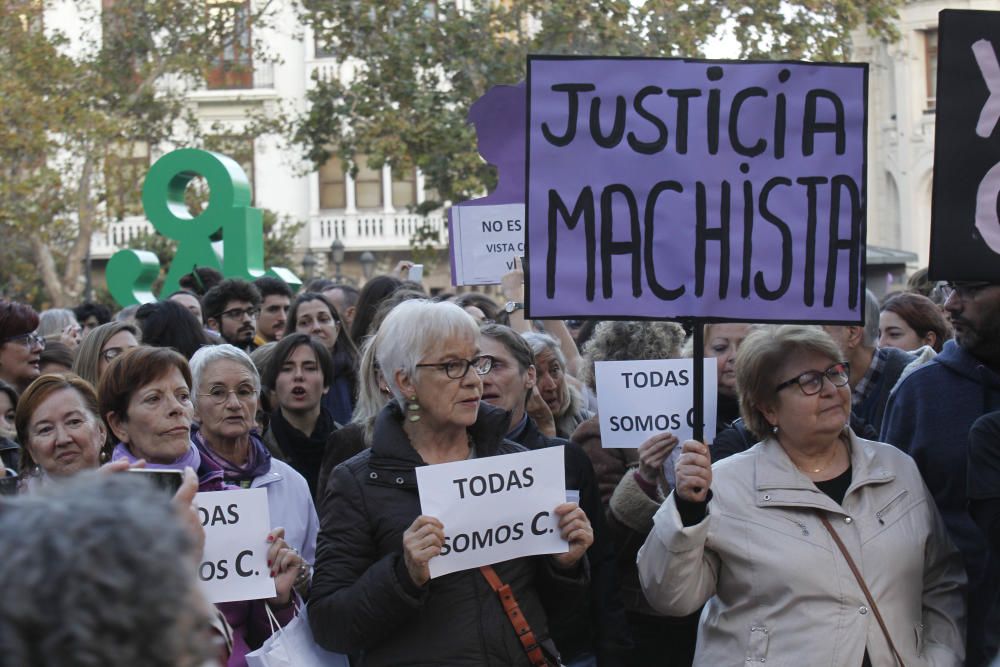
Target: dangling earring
[(413, 408)]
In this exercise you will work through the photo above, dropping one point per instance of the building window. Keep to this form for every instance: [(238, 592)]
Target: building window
[(404, 188), (233, 66), (332, 187), (125, 167), (238, 148), (931, 65), (368, 184)]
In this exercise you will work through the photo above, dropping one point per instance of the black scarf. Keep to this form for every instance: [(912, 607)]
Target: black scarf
[(303, 452)]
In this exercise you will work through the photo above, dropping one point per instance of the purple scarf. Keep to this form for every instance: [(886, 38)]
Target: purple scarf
[(258, 459), (209, 476)]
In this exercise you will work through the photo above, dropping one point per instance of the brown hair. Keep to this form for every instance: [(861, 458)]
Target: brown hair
[(133, 370), (762, 355), (921, 314), (16, 319), (36, 394)]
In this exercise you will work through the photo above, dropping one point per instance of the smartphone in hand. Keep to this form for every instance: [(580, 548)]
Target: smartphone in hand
[(166, 480)]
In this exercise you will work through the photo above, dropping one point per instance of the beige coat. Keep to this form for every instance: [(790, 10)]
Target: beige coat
[(780, 592)]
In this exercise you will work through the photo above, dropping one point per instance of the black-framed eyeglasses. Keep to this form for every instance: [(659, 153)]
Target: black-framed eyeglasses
[(458, 368), (29, 340), (966, 290), (811, 382), (238, 313)]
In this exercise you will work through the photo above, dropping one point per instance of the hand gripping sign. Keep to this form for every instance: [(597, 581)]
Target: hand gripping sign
[(131, 273), (495, 508)]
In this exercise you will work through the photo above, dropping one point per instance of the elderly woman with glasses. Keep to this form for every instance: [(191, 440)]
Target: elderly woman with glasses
[(814, 547), (373, 594), (20, 346), (150, 397)]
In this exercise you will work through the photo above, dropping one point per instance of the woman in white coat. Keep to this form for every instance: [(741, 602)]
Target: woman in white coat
[(756, 537)]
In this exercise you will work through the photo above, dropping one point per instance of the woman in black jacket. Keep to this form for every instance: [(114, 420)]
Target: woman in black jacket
[(372, 595)]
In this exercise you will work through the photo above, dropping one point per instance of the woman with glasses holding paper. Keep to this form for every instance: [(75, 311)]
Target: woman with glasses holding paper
[(372, 595), (150, 398), (814, 547)]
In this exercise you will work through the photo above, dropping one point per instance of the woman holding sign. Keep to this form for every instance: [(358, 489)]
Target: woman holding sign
[(146, 400), (372, 594), (814, 547)]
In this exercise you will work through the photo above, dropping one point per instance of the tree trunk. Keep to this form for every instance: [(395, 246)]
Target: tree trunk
[(85, 214), (47, 271)]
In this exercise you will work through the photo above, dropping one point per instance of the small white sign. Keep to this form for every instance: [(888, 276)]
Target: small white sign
[(637, 399), (487, 240), (495, 508), (234, 564)]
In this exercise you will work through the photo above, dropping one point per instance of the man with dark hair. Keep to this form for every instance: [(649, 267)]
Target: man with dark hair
[(930, 415), (276, 298), (345, 299), (599, 631), (91, 315), (231, 310)]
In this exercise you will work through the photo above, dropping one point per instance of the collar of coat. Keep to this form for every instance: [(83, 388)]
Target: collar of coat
[(392, 452), (779, 481)]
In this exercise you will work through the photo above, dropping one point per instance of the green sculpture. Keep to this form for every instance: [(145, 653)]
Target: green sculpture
[(130, 273)]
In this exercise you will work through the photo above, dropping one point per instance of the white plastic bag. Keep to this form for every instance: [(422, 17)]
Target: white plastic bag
[(293, 646)]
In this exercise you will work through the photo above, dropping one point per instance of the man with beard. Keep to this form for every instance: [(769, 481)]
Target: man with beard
[(231, 310), (930, 415)]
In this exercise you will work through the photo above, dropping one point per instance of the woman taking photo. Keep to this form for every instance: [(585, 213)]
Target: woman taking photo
[(146, 400), (373, 593), (299, 373), (807, 543), (312, 314)]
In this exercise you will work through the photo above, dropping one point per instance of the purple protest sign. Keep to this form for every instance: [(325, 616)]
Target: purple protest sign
[(660, 188)]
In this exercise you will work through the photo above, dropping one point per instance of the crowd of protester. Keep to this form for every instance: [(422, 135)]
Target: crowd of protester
[(846, 512)]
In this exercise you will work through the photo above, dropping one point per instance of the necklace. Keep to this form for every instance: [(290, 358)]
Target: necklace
[(826, 465)]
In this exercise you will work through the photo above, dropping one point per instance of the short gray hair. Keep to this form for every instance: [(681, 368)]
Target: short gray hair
[(52, 321), (208, 355), (99, 571), (540, 342), (414, 328)]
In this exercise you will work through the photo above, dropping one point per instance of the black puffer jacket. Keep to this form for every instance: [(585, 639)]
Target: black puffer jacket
[(362, 600)]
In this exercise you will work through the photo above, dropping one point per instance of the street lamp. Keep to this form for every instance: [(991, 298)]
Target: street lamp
[(367, 260), (308, 265), (337, 255)]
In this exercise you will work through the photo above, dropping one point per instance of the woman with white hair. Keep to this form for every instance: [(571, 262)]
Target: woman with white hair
[(563, 400), (372, 594)]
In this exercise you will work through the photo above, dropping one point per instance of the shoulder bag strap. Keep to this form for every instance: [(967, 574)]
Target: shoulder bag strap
[(864, 587), (517, 619)]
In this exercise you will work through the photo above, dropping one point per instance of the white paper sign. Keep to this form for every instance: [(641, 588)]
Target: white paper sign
[(495, 508), (234, 565), (637, 399), (487, 239)]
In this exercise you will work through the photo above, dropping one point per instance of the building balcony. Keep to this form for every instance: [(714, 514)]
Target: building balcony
[(372, 230), (365, 230)]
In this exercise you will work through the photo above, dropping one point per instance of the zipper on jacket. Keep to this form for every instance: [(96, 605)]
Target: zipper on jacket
[(892, 503), (802, 526)]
